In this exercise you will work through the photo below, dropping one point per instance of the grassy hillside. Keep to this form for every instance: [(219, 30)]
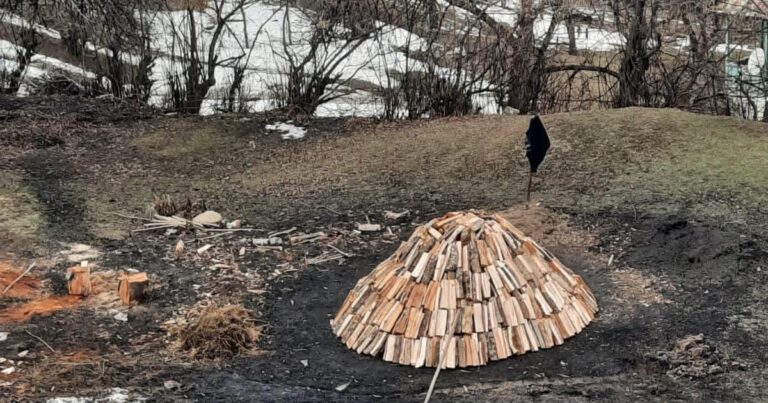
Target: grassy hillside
[(662, 160), (652, 161)]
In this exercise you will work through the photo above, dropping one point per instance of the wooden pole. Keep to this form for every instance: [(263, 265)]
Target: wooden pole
[(437, 373), (530, 183), (448, 338), (443, 349)]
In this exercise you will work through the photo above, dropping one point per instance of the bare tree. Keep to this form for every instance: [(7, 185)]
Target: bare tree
[(25, 37), (312, 60), (199, 53)]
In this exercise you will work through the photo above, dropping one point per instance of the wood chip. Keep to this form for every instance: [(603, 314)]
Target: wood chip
[(369, 227), (204, 249)]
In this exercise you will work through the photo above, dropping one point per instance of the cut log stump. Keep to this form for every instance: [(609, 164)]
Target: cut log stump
[(79, 281), (132, 287)]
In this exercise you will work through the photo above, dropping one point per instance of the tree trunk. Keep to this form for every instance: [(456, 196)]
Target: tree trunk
[(519, 95), (433, 15), (197, 85), (636, 59), (571, 35)]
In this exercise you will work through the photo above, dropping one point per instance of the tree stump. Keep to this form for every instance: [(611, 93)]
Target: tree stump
[(132, 287), (79, 281)]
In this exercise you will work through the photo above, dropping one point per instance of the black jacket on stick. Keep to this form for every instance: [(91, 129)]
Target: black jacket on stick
[(536, 143)]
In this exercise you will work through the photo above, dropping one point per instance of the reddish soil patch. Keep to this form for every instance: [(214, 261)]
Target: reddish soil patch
[(40, 307), (30, 289), (26, 288), (77, 357)]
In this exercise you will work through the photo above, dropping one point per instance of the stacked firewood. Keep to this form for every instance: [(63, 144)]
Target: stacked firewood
[(463, 291)]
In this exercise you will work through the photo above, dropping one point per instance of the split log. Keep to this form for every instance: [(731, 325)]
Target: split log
[(132, 287), (79, 281), (477, 280)]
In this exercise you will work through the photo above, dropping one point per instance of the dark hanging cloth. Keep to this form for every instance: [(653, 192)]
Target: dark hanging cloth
[(536, 143)]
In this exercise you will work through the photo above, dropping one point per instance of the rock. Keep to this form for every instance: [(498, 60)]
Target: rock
[(305, 363), (208, 218), (3, 336), (23, 353), (121, 316), (171, 384), (342, 387), (8, 370)]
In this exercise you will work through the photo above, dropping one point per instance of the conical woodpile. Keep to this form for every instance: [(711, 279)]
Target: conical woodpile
[(468, 288)]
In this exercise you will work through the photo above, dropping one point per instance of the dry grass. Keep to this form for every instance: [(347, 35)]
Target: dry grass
[(625, 158), (19, 216), (630, 159), (216, 332)]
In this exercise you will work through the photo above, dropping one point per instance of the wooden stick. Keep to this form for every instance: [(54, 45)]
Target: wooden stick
[(42, 341), (220, 234), (155, 228), (19, 278), (278, 233), (339, 250), (441, 361), (130, 217), (530, 183), (230, 229)]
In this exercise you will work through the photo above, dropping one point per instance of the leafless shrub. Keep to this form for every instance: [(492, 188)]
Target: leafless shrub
[(311, 61), (26, 39)]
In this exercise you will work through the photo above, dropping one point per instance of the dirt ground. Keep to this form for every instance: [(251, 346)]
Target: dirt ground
[(663, 213)]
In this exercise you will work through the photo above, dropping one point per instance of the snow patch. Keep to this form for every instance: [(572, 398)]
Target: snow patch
[(756, 62), (586, 37), (16, 20), (289, 131)]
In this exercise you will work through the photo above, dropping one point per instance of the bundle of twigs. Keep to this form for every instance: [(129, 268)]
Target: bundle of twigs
[(217, 332), (160, 222)]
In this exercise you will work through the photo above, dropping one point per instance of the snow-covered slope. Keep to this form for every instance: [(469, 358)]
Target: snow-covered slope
[(38, 67), (261, 48), (262, 52)]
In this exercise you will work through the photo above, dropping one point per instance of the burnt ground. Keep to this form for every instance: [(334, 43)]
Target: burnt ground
[(687, 250)]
